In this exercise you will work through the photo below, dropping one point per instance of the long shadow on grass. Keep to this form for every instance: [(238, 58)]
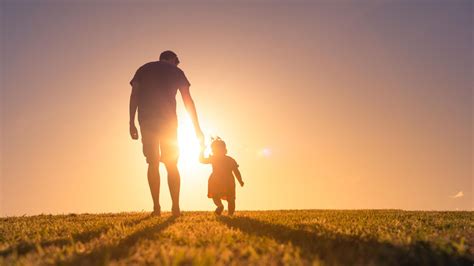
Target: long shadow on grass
[(103, 254), (338, 249), (24, 247)]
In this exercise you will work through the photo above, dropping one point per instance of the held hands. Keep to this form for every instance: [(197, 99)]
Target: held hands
[(133, 131)]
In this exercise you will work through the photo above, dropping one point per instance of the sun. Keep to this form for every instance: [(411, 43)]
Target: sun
[(189, 147)]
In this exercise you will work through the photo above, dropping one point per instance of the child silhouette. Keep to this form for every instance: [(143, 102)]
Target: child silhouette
[(221, 184)]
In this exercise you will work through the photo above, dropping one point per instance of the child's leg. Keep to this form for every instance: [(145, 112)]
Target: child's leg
[(220, 206), (231, 207)]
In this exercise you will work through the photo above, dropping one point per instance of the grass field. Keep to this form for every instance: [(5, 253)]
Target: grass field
[(327, 237)]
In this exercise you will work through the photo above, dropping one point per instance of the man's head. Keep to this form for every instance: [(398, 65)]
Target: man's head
[(169, 57)]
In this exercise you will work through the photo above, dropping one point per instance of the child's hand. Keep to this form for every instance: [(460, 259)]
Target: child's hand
[(241, 183)]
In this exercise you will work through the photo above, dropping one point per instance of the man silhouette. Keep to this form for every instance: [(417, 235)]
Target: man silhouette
[(154, 89)]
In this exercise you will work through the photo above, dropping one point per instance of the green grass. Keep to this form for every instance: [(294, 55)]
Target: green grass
[(312, 237)]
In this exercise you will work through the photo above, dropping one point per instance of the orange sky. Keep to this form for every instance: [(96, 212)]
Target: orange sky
[(322, 105)]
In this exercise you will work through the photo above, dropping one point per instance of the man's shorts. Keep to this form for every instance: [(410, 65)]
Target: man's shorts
[(160, 143)]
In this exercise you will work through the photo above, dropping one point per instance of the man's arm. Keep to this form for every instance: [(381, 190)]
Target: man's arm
[(133, 110), (191, 108)]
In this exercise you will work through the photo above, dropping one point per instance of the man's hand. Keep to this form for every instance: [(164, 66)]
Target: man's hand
[(241, 183), (200, 137), (133, 131)]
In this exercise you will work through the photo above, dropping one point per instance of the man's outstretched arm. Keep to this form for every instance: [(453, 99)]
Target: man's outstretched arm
[(133, 110), (191, 109)]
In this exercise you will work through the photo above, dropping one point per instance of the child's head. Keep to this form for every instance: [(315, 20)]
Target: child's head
[(218, 147)]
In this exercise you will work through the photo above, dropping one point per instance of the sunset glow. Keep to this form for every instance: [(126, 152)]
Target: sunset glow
[(188, 143), (323, 104)]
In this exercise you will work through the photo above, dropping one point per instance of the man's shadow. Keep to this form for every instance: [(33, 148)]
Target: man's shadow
[(337, 249), (24, 247), (105, 253)]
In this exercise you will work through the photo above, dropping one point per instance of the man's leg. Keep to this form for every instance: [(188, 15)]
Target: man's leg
[(150, 150), (174, 182), (220, 206), (169, 156), (154, 183), (231, 206)]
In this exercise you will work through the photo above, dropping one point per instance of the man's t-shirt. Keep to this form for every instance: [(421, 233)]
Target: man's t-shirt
[(158, 83)]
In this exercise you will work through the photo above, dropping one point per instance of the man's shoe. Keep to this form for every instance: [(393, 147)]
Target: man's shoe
[(219, 210)]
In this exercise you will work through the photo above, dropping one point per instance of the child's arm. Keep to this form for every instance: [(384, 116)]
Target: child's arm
[(202, 159), (238, 176)]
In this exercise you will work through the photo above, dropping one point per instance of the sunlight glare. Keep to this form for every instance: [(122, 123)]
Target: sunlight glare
[(188, 143)]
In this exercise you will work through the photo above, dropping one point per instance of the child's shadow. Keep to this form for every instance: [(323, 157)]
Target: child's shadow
[(337, 249)]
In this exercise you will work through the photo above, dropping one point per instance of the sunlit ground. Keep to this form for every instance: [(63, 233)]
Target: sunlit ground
[(303, 237)]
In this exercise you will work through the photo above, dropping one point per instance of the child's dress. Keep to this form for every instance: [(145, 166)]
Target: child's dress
[(221, 183)]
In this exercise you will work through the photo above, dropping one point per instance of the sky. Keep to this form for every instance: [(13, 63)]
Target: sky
[(324, 104)]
